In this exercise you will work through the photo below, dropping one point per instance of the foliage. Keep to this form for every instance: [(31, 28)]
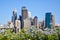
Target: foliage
[(29, 35)]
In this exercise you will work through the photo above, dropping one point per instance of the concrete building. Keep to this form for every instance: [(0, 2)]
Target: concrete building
[(24, 15), (10, 24), (27, 23), (17, 25), (53, 21), (36, 22), (24, 12)]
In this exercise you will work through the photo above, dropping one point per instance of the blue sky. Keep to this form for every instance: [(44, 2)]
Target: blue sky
[(36, 7)]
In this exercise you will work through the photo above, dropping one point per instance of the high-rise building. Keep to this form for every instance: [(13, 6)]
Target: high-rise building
[(48, 20), (27, 23), (24, 15), (14, 17), (35, 21), (21, 20), (24, 12), (17, 25), (53, 21)]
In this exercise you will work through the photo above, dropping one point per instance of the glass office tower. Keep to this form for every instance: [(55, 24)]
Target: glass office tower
[(48, 20), (14, 18), (22, 23)]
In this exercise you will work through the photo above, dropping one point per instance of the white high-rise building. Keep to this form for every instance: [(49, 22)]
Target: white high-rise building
[(17, 24), (36, 22), (53, 21), (27, 23)]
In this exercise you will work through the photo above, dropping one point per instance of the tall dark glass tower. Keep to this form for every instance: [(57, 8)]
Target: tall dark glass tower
[(48, 19), (24, 15), (21, 20), (14, 17)]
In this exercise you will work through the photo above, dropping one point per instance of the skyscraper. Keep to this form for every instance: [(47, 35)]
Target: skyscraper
[(17, 25), (24, 15), (48, 20), (21, 20), (53, 21), (24, 12), (27, 23), (14, 17), (35, 21)]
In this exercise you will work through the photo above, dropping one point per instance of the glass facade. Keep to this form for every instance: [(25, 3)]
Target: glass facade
[(48, 20), (22, 23), (14, 17)]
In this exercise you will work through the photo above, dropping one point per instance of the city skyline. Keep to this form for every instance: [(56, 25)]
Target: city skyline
[(7, 9)]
